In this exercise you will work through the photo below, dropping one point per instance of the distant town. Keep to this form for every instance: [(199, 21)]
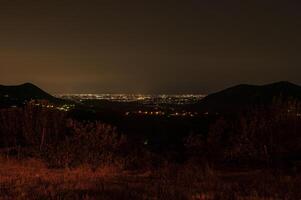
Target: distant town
[(142, 98)]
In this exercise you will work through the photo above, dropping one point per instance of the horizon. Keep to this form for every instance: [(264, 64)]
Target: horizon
[(152, 94)]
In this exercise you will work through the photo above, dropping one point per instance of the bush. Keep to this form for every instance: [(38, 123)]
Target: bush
[(43, 131), (263, 135), (33, 125), (91, 143), (269, 134)]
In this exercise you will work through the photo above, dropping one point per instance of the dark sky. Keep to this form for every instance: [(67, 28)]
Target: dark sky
[(188, 46)]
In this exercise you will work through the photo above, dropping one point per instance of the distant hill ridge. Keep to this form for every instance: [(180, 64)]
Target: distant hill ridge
[(16, 95), (229, 100), (242, 96)]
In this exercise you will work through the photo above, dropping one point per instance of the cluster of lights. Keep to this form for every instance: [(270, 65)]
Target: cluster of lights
[(157, 113), (144, 99), (184, 114), (65, 107), (162, 113)]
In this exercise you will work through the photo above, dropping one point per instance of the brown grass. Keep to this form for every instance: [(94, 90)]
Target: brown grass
[(31, 179)]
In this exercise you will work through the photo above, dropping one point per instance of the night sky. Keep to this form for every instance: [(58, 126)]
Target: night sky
[(196, 46)]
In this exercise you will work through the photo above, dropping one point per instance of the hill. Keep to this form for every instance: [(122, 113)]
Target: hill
[(17, 95), (244, 96)]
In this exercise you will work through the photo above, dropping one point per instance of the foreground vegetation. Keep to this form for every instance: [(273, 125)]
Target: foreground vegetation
[(48, 154), (31, 179)]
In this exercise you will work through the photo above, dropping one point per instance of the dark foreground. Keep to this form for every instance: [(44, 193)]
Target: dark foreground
[(48, 152), (31, 179)]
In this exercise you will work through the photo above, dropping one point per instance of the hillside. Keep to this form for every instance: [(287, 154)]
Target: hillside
[(17, 95), (244, 96)]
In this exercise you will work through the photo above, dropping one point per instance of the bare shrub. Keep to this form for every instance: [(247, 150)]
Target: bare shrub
[(46, 132), (33, 125), (91, 143), (259, 135)]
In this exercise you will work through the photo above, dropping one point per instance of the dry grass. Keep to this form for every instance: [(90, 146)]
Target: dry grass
[(31, 179)]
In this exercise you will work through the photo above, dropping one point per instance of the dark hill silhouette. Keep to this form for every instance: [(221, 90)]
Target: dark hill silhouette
[(17, 95), (244, 96)]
